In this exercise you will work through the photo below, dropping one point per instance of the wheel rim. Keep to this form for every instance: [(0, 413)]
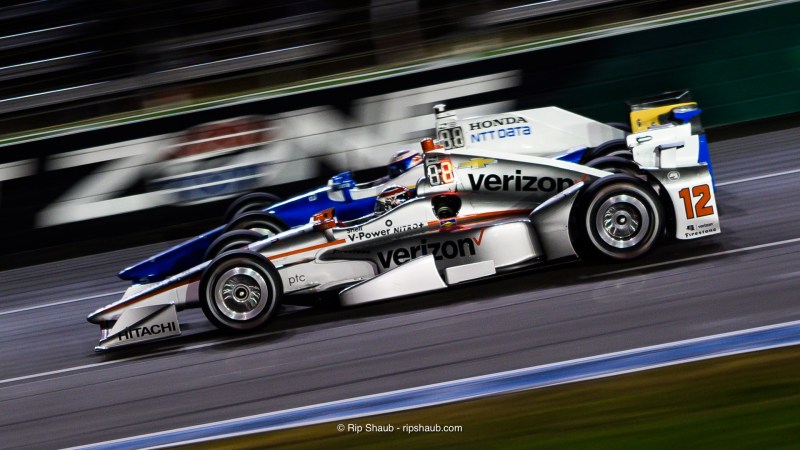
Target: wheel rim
[(622, 221), (241, 293)]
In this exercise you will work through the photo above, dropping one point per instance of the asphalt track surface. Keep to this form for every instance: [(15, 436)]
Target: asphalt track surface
[(56, 392)]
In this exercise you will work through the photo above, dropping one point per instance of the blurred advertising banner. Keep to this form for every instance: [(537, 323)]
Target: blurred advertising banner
[(224, 158)]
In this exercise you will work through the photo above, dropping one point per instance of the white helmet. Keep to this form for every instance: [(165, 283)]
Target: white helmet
[(403, 160)]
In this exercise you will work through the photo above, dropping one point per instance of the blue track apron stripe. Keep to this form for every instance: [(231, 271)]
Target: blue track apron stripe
[(530, 378)]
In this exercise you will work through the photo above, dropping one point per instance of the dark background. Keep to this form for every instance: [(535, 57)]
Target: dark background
[(722, 60)]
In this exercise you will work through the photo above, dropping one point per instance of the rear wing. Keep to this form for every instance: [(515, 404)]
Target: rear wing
[(669, 143)]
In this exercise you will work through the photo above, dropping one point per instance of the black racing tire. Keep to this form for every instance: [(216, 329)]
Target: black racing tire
[(230, 241), (614, 147), (617, 218), (240, 291), (260, 221), (616, 164), (254, 201)]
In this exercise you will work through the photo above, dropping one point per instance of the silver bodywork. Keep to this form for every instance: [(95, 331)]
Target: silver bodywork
[(514, 212)]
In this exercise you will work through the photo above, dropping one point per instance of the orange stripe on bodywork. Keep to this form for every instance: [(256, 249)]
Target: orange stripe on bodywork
[(487, 215), (136, 298), (139, 298), (307, 249)]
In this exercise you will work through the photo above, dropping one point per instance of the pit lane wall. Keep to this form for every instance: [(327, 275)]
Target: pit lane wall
[(178, 169)]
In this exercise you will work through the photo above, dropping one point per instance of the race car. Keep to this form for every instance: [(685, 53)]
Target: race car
[(549, 132), (476, 213)]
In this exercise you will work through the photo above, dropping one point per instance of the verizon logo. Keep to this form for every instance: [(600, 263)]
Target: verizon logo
[(449, 249)]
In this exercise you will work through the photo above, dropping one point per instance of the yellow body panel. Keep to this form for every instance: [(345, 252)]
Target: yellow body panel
[(643, 119)]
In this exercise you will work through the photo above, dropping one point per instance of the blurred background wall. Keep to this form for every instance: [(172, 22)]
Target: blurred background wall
[(140, 120), (70, 60)]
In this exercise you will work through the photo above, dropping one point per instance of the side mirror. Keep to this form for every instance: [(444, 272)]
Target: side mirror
[(324, 219)]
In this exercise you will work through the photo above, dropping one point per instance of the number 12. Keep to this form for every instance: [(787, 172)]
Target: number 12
[(701, 208)]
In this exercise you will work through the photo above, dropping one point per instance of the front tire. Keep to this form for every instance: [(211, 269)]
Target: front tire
[(619, 218), (240, 291)]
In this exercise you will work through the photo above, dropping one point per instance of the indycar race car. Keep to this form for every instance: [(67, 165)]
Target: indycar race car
[(558, 134), (476, 213)]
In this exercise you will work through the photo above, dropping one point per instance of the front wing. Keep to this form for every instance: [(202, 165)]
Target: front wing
[(141, 324)]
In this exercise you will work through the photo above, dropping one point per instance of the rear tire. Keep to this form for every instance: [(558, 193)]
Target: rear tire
[(231, 240), (240, 291), (254, 201), (618, 218), (264, 223)]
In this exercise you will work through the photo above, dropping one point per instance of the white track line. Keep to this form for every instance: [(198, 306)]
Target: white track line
[(694, 258), (760, 177), (118, 361), (63, 302)]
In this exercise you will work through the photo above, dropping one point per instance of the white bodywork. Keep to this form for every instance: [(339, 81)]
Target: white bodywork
[(665, 147), (549, 131), (394, 283)]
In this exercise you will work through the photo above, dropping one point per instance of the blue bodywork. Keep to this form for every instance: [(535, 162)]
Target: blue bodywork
[(574, 156), (292, 212), (705, 157)]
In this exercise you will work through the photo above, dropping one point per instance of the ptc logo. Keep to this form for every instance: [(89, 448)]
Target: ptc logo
[(294, 279)]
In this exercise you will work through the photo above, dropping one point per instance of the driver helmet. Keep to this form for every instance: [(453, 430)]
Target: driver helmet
[(403, 160), (390, 198)]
